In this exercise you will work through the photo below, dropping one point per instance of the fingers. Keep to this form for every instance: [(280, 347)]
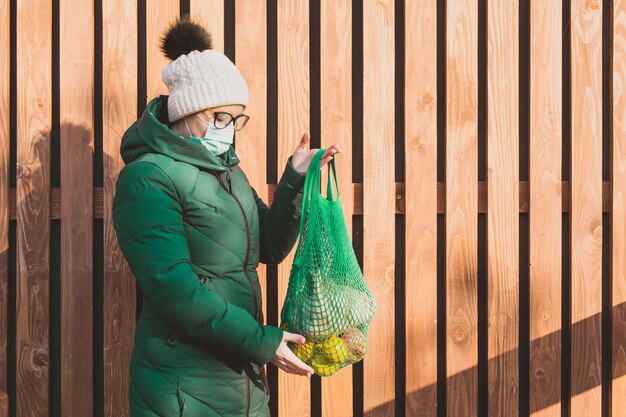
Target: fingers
[(279, 362), (298, 370), (293, 369), (287, 360), (293, 337), (286, 365), (297, 362), (330, 151)]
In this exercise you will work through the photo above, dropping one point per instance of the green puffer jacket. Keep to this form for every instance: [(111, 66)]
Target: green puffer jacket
[(193, 232)]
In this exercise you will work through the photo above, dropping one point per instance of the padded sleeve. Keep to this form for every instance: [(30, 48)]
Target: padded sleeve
[(279, 225)]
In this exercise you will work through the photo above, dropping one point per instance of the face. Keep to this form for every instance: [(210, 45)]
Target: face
[(197, 126)]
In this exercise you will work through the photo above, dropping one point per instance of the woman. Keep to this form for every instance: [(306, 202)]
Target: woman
[(193, 231)]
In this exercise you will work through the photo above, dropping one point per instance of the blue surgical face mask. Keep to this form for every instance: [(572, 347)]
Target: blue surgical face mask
[(216, 141)]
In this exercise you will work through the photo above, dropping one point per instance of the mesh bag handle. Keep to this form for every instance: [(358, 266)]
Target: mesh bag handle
[(329, 191), (312, 190), (313, 178)]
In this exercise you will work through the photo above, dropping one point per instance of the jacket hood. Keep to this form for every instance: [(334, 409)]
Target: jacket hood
[(150, 134)]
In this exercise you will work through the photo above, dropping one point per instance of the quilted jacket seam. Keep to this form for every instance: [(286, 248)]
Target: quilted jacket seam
[(200, 401), (141, 232), (184, 293), (225, 380), (168, 176), (213, 240), (178, 389), (195, 183), (224, 217), (146, 400)]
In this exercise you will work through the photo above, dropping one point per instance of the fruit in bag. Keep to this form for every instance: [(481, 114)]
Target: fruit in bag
[(304, 351), (356, 342), (334, 350), (322, 368)]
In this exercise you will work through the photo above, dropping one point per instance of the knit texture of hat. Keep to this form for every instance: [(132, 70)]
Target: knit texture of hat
[(199, 77)]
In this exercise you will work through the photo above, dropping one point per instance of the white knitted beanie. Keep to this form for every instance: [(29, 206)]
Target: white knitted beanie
[(198, 77)]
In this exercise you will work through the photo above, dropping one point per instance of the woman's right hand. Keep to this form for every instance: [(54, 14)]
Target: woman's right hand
[(286, 360)]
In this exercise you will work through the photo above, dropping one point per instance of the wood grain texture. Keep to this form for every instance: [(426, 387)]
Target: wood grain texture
[(294, 397), (76, 60), (119, 105), (586, 214), (420, 255), (546, 211), (503, 207), (378, 202), (159, 15), (618, 211), (34, 82), (336, 127), (4, 188), (461, 208), (211, 14), (250, 143), (4, 404)]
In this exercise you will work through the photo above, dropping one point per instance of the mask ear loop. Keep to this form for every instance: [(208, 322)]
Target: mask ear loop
[(185, 120)]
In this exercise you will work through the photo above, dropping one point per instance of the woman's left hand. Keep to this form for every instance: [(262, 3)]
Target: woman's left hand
[(303, 155)]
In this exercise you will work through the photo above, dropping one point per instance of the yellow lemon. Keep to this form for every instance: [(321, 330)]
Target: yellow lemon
[(303, 351), (323, 368), (334, 350)]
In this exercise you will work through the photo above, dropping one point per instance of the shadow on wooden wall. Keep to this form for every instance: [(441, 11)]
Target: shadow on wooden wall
[(542, 343)]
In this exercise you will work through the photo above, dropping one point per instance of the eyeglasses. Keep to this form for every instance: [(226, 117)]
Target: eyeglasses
[(221, 119)]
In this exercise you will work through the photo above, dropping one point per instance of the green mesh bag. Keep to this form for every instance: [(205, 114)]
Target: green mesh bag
[(327, 299)]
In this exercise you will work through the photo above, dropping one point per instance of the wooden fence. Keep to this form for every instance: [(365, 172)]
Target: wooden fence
[(484, 174)]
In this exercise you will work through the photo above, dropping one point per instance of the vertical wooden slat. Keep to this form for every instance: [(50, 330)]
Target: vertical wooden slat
[(420, 187), (618, 211), (545, 209), (119, 105), (586, 210), (4, 187), (461, 208), (336, 127), (159, 14), (251, 60), (293, 120), (211, 14), (503, 207), (4, 404), (76, 60), (34, 80), (379, 201)]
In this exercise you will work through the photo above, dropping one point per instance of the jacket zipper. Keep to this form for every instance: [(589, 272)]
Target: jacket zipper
[(245, 271), (245, 262)]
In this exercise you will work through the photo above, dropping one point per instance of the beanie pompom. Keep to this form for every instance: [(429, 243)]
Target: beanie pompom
[(184, 36)]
